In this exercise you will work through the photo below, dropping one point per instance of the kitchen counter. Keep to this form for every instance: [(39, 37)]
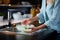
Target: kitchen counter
[(43, 34)]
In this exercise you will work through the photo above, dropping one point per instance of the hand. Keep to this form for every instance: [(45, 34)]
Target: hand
[(26, 21), (34, 29)]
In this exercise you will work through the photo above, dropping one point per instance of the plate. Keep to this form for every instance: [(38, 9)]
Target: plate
[(24, 27)]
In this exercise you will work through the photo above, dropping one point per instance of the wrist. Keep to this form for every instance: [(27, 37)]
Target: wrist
[(41, 26), (30, 20)]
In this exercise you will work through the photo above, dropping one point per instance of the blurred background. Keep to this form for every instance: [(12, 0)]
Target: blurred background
[(8, 4), (25, 7)]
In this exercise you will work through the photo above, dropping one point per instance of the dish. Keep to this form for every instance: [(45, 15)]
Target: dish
[(27, 30)]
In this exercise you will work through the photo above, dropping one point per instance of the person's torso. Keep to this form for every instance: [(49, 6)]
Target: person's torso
[(48, 14)]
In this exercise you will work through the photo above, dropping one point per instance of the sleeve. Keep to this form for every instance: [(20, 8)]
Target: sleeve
[(55, 19), (40, 16)]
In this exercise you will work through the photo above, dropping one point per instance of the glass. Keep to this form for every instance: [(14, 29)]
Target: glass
[(17, 16)]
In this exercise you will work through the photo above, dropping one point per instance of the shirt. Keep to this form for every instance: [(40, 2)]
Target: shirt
[(50, 15)]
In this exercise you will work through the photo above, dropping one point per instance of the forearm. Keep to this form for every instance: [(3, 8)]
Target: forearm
[(41, 26), (33, 19)]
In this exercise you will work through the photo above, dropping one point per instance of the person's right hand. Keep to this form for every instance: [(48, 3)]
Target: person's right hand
[(26, 21)]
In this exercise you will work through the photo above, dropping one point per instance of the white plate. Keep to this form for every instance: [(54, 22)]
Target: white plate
[(24, 27)]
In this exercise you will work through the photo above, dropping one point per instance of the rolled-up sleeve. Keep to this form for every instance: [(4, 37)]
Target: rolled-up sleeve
[(55, 19), (40, 16)]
